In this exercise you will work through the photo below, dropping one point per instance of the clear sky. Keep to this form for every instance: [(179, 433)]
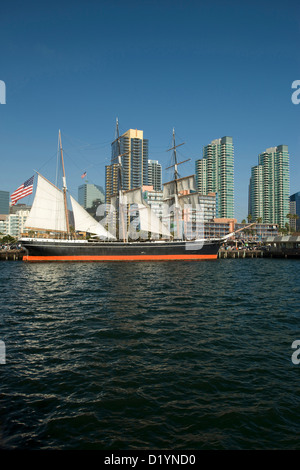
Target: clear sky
[(207, 68)]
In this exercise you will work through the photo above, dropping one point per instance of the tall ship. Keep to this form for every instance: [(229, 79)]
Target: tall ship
[(119, 236)]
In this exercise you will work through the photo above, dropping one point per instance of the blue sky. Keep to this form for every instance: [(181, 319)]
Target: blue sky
[(206, 68)]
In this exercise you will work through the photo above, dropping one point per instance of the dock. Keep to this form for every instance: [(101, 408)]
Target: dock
[(280, 253), (240, 254), (11, 255)]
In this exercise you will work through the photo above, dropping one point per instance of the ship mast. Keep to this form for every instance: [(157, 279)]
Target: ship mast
[(120, 182), (64, 186), (176, 163)]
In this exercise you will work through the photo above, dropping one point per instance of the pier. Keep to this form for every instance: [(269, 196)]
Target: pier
[(11, 255), (280, 253), (240, 254)]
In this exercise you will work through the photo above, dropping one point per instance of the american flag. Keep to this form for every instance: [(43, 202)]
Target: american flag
[(24, 190), (83, 175)]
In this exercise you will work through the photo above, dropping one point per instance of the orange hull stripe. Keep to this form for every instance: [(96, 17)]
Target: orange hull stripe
[(119, 258)]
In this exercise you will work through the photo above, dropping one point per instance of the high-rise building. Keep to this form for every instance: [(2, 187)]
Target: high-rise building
[(269, 186), (111, 181), (255, 202), (88, 193), (133, 151), (215, 174), (154, 174), (295, 211), (4, 202)]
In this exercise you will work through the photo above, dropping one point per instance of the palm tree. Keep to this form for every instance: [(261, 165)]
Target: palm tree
[(287, 226), (72, 231), (249, 218), (282, 230)]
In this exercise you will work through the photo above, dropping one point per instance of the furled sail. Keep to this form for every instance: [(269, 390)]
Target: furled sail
[(183, 184), (133, 196), (84, 222), (191, 199), (48, 211)]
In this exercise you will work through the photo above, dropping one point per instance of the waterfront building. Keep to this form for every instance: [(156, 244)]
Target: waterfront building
[(19, 207), (88, 193), (209, 204), (133, 151), (4, 202), (219, 227), (295, 211), (215, 174), (155, 175), (257, 232), (269, 186), (3, 218), (14, 223)]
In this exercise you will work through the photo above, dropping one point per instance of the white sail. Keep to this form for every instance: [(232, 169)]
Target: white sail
[(183, 184), (48, 210), (192, 199), (84, 222), (133, 196), (149, 222)]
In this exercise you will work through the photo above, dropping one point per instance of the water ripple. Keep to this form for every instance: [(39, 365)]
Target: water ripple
[(150, 356)]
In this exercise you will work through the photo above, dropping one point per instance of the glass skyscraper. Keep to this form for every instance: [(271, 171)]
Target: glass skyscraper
[(88, 193), (215, 174), (270, 186), (295, 210), (4, 202)]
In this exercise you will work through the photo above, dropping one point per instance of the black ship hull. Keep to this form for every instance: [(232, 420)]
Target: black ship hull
[(75, 250)]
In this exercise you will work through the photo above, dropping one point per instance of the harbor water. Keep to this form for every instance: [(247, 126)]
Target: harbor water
[(168, 355)]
